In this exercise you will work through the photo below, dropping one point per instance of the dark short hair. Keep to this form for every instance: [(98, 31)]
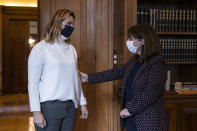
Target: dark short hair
[(152, 46)]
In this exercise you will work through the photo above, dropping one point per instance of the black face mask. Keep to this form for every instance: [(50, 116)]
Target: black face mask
[(67, 31)]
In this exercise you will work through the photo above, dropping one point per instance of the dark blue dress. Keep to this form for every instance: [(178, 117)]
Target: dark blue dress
[(130, 121)]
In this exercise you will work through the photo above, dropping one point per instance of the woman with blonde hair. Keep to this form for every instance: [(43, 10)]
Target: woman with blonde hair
[(54, 86)]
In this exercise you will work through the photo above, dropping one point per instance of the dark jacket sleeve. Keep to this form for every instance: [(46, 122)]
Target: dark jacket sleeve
[(153, 91), (108, 75)]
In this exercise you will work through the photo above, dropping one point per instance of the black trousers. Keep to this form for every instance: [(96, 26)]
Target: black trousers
[(59, 115), (130, 124)]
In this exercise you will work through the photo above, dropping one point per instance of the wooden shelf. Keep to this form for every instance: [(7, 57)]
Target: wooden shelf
[(166, 1), (177, 97), (181, 62), (172, 94), (176, 33)]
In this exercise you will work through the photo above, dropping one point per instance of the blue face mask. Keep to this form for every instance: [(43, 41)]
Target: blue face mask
[(67, 31)]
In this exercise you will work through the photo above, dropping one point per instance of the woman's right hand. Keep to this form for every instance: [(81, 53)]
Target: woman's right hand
[(39, 119)]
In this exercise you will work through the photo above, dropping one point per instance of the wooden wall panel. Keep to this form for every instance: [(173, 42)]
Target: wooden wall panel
[(187, 117), (90, 62), (44, 15), (1, 43), (130, 19), (102, 63)]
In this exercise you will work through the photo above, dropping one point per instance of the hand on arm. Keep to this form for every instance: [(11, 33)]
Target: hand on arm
[(83, 77)]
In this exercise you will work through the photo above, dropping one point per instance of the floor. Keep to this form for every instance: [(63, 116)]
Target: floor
[(16, 124), (15, 114)]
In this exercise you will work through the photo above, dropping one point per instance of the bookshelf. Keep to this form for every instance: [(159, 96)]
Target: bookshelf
[(175, 22)]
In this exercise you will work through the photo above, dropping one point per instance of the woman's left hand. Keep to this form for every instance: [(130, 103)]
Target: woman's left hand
[(124, 113), (84, 112), (84, 77)]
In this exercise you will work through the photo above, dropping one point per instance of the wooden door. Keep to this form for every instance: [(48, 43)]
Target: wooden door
[(187, 116), (18, 54), (171, 115), (15, 50), (1, 30)]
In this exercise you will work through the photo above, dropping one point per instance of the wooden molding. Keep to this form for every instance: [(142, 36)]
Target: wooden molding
[(11, 10)]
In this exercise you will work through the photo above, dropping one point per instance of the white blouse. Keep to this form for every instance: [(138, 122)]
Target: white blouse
[(53, 74)]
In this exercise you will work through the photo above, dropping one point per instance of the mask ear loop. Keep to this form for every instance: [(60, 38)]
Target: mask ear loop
[(63, 23)]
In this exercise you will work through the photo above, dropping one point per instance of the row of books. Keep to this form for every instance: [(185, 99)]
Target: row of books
[(169, 20), (176, 49), (185, 87)]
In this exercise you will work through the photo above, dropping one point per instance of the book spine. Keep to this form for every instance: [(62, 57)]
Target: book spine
[(168, 20), (187, 51), (180, 21), (142, 15), (154, 19), (194, 21), (176, 20), (179, 50), (138, 16), (168, 49), (163, 27), (151, 17), (176, 50), (146, 18), (173, 50), (160, 21), (172, 21), (194, 50), (157, 19), (183, 20), (188, 20)]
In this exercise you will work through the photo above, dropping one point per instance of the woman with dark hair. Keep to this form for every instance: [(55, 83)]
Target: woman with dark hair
[(143, 82), (54, 84)]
